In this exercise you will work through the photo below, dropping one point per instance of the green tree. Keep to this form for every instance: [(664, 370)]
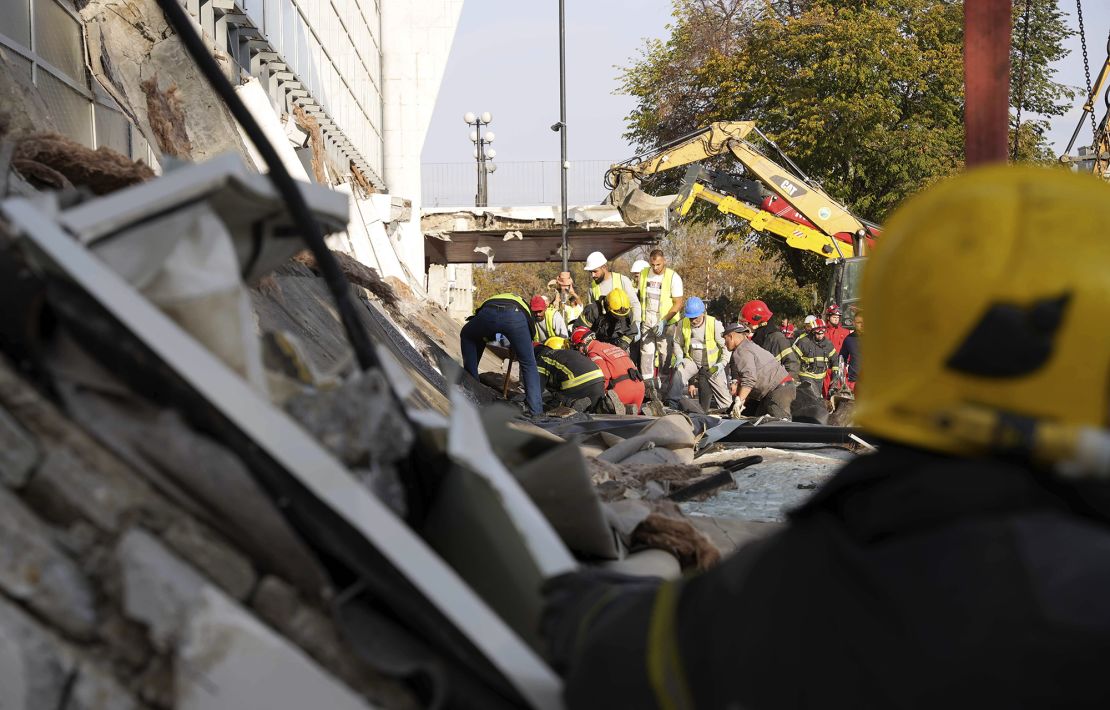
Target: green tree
[(866, 96)]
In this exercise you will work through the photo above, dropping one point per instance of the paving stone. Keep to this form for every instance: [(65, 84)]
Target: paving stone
[(18, 452), (205, 551), (158, 588), (228, 659), (34, 664), (96, 689), (34, 570)]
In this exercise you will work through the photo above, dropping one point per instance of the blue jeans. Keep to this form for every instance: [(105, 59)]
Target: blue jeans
[(508, 320)]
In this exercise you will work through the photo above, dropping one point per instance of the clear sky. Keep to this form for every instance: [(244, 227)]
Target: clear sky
[(505, 60)]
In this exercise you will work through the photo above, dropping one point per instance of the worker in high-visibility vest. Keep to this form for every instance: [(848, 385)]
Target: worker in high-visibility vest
[(660, 291), (700, 351), (548, 318), (603, 280), (509, 315)]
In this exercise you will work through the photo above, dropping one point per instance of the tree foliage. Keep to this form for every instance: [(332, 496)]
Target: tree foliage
[(866, 96)]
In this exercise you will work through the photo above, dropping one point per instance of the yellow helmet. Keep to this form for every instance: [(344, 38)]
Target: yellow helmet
[(1005, 269), (556, 343), (618, 302)]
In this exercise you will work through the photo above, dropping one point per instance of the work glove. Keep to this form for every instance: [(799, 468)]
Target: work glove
[(659, 329), (583, 596), (737, 409)]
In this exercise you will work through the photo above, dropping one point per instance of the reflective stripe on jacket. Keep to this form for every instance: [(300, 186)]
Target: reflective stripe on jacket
[(564, 369), (817, 357)]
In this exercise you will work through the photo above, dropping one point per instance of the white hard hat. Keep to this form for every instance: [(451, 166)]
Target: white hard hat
[(596, 260), (810, 320), (638, 266)]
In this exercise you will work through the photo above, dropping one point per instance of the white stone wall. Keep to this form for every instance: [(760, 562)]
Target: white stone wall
[(416, 41)]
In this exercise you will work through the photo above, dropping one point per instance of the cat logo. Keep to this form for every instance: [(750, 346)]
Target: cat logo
[(789, 188)]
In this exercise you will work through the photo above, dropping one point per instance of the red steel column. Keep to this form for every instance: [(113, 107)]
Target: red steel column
[(986, 80)]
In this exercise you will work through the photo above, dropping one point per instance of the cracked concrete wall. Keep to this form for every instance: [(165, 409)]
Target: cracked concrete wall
[(416, 42), (145, 68)]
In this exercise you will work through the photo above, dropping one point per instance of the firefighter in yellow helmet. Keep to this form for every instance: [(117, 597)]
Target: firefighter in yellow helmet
[(611, 319), (964, 564)]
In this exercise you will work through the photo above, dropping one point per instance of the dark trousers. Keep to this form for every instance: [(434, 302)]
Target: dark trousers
[(777, 402), (592, 391), (508, 320)]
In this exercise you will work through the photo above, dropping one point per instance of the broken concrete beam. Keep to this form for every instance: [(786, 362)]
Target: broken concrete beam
[(34, 665), (18, 452), (227, 659), (35, 571)]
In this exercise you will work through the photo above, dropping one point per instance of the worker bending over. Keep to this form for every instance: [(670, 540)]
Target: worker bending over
[(660, 292), (548, 318), (760, 384), (610, 319), (509, 315), (621, 375), (700, 350), (573, 379), (962, 565)]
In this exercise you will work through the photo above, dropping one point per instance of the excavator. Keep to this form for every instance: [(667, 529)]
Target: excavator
[(770, 198)]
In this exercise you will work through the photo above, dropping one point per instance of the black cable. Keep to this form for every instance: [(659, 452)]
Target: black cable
[(283, 182)]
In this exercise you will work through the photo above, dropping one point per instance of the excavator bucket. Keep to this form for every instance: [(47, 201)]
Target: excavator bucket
[(637, 206)]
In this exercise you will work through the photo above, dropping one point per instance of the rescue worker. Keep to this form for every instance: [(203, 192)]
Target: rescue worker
[(961, 565), (610, 319), (836, 331), (603, 280), (758, 316), (548, 318), (508, 314), (700, 351), (849, 355), (787, 329), (573, 379), (634, 273), (621, 375), (760, 384), (818, 358), (660, 301)]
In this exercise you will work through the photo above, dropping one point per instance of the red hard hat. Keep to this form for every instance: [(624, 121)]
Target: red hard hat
[(579, 335), (539, 303), (755, 312), (788, 331), (819, 325), (833, 310)]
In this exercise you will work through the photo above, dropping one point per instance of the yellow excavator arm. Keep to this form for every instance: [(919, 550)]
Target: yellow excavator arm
[(828, 215)]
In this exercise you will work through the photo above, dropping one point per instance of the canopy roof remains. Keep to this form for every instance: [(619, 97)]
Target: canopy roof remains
[(463, 235)]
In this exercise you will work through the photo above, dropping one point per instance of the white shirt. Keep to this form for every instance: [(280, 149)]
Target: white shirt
[(653, 291)]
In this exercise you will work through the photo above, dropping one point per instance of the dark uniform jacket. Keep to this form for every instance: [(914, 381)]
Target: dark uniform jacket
[(774, 342), (608, 328), (850, 355), (817, 358), (566, 369), (910, 580)]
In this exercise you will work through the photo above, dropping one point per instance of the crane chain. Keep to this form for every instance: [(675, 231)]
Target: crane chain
[(1021, 78), (1086, 65)]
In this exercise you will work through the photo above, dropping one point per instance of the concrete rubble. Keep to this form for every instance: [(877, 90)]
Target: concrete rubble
[(156, 551)]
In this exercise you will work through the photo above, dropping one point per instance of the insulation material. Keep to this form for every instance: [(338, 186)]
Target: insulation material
[(669, 439), (59, 161)]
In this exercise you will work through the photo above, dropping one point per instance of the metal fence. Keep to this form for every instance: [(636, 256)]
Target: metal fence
[(522, 183)]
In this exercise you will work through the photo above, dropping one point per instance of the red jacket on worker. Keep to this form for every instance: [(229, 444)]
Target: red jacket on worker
[(620, 372)]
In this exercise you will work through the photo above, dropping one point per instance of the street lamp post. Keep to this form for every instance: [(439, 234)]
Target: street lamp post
[(483, 155)]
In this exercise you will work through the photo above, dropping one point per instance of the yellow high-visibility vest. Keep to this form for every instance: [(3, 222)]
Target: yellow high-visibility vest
[(712, 351)]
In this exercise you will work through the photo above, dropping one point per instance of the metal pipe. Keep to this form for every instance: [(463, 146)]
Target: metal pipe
[(986, 81), (563, 129)]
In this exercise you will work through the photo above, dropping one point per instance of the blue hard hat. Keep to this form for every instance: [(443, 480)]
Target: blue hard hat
[(694, 307)]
